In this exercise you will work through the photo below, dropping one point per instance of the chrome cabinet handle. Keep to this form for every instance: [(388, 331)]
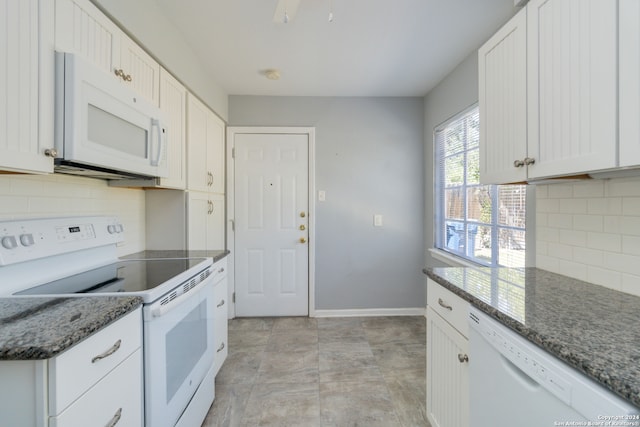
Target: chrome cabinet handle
[(221, 270), (529, 161), (518, 163), (210, 204), (209, 179), (220, 348), (115, 419), (220, 304), (444, 304), (463, 358), (107, 353)]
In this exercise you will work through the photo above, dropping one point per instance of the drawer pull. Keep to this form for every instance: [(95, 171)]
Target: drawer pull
[(221, 270), (220, 304), (220, 348), (115, 419), (107, 353), (463, 358), (444, 304)]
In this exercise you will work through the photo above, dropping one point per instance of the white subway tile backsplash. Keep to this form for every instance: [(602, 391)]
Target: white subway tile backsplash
[(602, 206), (631, 245), (574, 206), (573, 269), (561, 221), (622, 262), (604, 277), (588, 222), (589, 189), (591, 231), (631, 206), (29, 196), (627, 187), (630, 225), (607, 242), (560, 191), (573, 237), (631, 284)]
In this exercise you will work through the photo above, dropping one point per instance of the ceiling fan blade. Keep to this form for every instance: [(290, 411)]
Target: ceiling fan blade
[(288, 6)]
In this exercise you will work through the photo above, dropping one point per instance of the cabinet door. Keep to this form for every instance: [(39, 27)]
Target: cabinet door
[(215, 224), (198, 213), (26, 110), (572, 81), (220, 329), (82, 29), (502, 69), (199, 177), (173, 102), (629, 83), (141, 70), (447, 377), (215, 151)]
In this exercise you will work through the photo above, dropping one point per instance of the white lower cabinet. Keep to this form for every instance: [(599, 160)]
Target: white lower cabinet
[(220, 316), (447, 359), (97, 382)]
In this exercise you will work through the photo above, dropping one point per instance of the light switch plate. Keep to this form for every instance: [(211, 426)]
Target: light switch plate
[(377, 220), (322, 195)]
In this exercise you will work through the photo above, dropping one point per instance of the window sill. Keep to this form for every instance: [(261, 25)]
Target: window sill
[(452, 260)]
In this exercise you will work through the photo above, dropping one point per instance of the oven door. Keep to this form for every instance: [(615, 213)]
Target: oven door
[(178, 351)]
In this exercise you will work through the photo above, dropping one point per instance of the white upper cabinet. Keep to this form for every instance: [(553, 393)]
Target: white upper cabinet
[(629, 83), (572, 82), (205, 146), (83, 29), (173, 102), (548, 92), (502, 67), (26, 85)]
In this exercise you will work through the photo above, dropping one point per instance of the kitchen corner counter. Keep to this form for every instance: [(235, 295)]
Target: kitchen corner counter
[(37, 328), (592, 328), (217, 255)]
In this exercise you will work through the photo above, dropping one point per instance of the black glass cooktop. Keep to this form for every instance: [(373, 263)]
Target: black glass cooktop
[(122, 276)]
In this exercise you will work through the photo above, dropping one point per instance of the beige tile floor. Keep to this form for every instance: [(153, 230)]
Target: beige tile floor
[(367, 371)]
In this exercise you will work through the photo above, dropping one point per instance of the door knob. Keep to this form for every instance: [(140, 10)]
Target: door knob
[(303, 240), (302, 227), (302, 214)]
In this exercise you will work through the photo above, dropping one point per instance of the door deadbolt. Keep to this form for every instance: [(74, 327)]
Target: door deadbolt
[(302, 214)]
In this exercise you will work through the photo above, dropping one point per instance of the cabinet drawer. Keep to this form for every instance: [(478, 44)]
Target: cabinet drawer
[(219, 270), (449, 306), (118, 396), (77, 369)]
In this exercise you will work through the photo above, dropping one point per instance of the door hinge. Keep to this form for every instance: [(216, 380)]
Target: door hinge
[(233, 225), (233, 297)]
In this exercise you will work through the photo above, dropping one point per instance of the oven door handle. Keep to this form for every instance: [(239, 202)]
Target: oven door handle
[(161, 310)]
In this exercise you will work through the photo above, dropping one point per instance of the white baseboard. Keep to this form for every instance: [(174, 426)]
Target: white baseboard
[(371, 312)]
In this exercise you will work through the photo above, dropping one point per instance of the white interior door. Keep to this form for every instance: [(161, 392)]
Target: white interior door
[(271, 224)]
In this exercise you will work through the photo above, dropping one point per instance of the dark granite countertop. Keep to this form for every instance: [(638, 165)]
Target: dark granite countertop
[(592, 328), (217, 255), (36, 328)]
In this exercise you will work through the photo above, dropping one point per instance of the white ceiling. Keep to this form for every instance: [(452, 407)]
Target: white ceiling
[(372, 47)]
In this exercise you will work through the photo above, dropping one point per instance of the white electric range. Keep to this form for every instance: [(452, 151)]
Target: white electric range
[(77, 256)]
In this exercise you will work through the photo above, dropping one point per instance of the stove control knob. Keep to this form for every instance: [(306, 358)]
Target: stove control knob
[(27, 239), (111, 229), (9, 242)]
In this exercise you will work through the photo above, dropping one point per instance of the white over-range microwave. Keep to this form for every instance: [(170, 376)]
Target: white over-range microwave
[(104, 129)]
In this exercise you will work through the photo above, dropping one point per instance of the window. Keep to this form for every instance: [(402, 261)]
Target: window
[(481, 223)]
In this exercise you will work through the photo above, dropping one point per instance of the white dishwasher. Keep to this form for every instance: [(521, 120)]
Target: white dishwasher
[(512, 382)]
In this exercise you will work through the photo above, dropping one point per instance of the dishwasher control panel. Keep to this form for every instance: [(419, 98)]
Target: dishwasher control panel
[(525, 359)]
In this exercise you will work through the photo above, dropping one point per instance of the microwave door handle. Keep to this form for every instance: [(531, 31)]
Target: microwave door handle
[(156, 123)]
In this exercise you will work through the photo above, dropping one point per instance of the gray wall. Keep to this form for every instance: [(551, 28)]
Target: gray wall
[(369, 159), (453, 94)]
